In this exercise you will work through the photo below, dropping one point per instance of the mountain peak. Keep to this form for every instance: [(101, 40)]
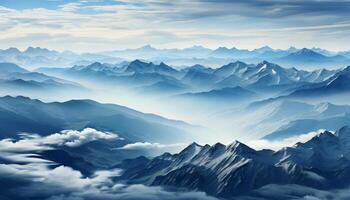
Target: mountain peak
[(263, 49), (309, 52), (194, 144), (343, 132), (222, 49), (292, 48), (239, 147), (324, 137), (12, 50), (238, 63), (95, 63), (148, 47), (190, 151), (162, 64), (265, 62), (97, 66), (191, 146), (137, 62), (36, 50), (266, 65), (19, 98), (197, 47)]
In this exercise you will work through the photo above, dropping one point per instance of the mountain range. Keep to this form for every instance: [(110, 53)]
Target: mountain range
[(311, 58), (263, 77), (17, 80), (235, 170), (287, 118), (34, 57)]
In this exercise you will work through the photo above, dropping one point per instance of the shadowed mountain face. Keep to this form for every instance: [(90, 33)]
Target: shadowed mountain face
[(236, 169), (6, 68), (21, 114), (16, 80), (291, 118)]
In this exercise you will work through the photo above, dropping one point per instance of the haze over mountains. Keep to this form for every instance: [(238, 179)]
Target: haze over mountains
[(114, 124), (235, 84), (313, 58)]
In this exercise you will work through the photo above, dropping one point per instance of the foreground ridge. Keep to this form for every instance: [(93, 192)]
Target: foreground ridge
[(236, 169)]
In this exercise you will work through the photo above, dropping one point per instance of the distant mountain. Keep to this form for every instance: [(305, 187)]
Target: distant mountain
[(21, 114), (281, 118), (16, 80), (224, 94), (200, 78), (263, 77), (150, 53), (18, 85), (344, 53), (286, 109), (336, 84), (222, 52), (138, 66), (236, 169), (236, 68), (263, 49), (198, 67), (11, 68), (164, 88), (306, 125), (319, 75), (308, 57), (301, 118), (35, 57), (305, 55), (323, 51)]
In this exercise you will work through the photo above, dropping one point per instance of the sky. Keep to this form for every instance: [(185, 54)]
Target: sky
[(101, 25)]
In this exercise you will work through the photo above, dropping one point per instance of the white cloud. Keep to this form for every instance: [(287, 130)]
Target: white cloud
[(75, 138), (69, 138), (17, 150), (148, 145), (39, 181), (287, 142), (70, 7)]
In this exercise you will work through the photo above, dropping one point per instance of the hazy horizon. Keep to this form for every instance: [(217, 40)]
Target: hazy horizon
[(22, 49), (92, 26)]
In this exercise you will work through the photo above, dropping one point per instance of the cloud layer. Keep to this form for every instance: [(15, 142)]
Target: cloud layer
[(24, 174)]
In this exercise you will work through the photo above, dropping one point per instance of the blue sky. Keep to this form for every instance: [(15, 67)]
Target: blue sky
[(97, 25)]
